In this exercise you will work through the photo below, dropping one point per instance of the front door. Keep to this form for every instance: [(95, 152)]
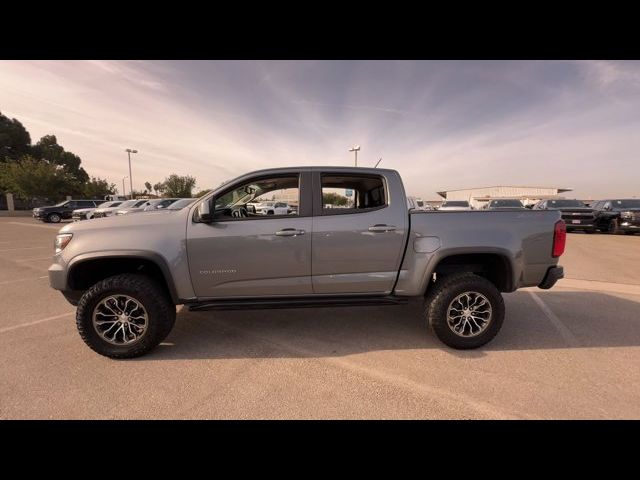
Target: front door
[(243, 253)]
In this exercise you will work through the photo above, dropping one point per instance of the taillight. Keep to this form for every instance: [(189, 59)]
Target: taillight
[(559, 238)]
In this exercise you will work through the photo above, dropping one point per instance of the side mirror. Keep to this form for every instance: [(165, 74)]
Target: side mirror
[(203, 212)]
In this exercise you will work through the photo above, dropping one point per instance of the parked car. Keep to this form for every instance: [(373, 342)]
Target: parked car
[(617, 216), (455, 205), (501, 204), (63, 210), (181, 203), (575, 213), (109, 211), (87, 213), (273, 208), (150, 204), (126, 274)]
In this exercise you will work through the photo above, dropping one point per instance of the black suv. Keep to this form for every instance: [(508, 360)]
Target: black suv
[(576, 215), (62, 210), (618, 216)]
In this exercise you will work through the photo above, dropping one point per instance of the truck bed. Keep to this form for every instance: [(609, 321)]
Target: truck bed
[(522, 239)]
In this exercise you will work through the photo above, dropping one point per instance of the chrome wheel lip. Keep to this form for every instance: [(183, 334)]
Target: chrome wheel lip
[(469, 314), (120, 320)]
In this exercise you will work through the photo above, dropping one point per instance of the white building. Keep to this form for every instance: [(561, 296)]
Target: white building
[(478, 197)]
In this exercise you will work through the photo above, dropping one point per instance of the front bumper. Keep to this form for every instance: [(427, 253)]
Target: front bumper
[(583, 226), (553, 275), (628, 225)]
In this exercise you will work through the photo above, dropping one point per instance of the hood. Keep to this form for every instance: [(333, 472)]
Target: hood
[(150, 221)]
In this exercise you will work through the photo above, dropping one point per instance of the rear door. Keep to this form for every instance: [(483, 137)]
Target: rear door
[(359, 231)]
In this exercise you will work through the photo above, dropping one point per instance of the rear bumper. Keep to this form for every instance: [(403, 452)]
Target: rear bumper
[(553, 275)]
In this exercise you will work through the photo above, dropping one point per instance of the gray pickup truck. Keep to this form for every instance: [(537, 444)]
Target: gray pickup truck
[(351, 240)]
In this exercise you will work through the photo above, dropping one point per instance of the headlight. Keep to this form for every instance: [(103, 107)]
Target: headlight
[(626, 214), (62, 240)]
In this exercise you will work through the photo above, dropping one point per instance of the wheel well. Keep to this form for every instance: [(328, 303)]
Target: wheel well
[(492, 266), (89, 272)]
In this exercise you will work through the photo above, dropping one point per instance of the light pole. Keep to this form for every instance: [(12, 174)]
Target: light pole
[(124, 190), (129, 152), (355, 150)]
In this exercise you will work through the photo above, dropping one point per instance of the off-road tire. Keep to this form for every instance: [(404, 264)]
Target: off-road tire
[(160, 310), (444, 291), (54, 218)]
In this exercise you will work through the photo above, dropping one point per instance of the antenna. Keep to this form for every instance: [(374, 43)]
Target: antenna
[(376, 166)]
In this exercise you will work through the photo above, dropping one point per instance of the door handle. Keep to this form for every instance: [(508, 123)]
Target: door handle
[(289, 232), (379, 227)]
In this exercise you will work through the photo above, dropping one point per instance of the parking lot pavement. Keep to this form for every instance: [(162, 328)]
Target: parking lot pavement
[(569, 352)]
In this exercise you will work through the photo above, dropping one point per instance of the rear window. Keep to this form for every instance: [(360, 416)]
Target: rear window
[(505, 203), (564, 203), (625, 203), (352, 193)]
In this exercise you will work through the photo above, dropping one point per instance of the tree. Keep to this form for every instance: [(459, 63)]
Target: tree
[(158, 188), (178, 186), (15, 141), (30, 177), (147, 185), (202, 193), (333, 198), (48, 149), (97, 188)]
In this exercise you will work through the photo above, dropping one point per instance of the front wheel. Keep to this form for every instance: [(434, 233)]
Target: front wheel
[(125, 316), (464, 310), (54, 218), (613, 227)]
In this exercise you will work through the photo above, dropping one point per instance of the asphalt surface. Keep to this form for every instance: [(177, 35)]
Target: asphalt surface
[(569, 352)]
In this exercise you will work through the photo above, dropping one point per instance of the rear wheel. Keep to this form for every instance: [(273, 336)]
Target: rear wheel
[(125, 316), (464, 310), (54, 218)]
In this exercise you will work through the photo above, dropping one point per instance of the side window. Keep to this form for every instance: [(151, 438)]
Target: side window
[(606, 206), (72, 205), (259, 198), (352, 193), (85, 204)]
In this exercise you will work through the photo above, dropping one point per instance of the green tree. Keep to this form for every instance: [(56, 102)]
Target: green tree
[(158, 188), (15, 141), (48, 149), (97, 188), (333, 198), (178, 186), (29, 177), (148, 186)]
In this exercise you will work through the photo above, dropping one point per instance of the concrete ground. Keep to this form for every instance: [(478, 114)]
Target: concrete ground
[(569, 352)]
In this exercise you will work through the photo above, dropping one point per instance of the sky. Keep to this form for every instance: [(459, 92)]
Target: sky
[(443, 125)]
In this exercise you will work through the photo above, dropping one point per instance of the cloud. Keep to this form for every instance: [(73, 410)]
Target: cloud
[(441, 124)]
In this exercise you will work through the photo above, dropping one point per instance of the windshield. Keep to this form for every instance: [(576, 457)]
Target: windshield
[(181, 203), (455, 204), (625, 203), (505, 203), (564, 203)]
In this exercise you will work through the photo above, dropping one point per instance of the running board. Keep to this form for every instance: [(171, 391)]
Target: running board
[(298, 302)]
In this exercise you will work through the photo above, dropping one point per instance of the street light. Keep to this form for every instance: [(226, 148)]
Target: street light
[(124, 191), (129, 152), (355, 150)]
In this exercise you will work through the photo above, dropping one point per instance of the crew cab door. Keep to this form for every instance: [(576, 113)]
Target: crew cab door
[(359, 231), (242, 253)]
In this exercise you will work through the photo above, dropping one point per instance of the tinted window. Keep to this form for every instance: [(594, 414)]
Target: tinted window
[(564, 203), (352, 193), (626, 203), (455, 204), (85, 204), (505, 203)]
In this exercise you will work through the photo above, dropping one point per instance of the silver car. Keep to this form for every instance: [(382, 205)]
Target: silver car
[(146, 205)]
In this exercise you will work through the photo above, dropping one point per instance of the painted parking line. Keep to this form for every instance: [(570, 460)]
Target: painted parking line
[(36, 322), (565, 333), (6, 282)]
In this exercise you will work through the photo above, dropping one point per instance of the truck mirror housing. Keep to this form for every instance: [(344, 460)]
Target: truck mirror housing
[(203, 212)]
